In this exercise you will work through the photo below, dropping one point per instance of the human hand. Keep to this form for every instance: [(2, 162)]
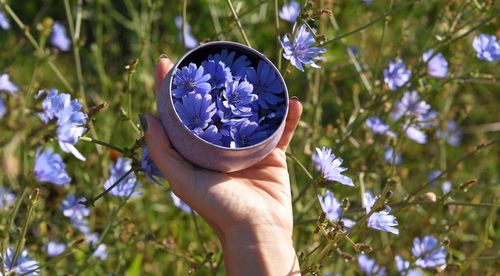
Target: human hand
[(250, 210)]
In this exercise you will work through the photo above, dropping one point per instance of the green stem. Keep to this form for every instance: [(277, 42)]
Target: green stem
[(90, 202), (235, 16), (108, 145), (183, 26)]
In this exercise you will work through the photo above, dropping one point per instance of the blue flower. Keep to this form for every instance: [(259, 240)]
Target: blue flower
[(129, 185), (487, 47), (55, 248), (246, 133), (238, 97), (437, 66), (100, 251), (325, 161), (382, 220), (49, 167), (266, 84), (74, 210), (195, 110), (330, 206), (219, 73), (3, 109), (7, 85), (211, 134), (190, 79), (392, 158), (81, 225), (333, 209), (433, 176), (428, 252), (238, 66), (451, 133), (70, 120), (7, 198), (377, 125), (369, 267), (290, 11), (299, 51), (4, 23), (411, 106), (59, 38), (189, 40), (180, 204), (446, 187), (148, 166), (22, 266), (403, 267), (396, 75)]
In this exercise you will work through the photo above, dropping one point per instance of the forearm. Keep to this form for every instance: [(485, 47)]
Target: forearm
[(262, 252)]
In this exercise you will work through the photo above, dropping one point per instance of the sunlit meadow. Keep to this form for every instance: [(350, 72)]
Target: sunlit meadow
[(394, 166)]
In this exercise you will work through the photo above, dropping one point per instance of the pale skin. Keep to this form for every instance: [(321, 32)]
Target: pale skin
[(250, 210)]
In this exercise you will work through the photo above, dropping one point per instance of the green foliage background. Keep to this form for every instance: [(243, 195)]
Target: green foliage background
[(147, 235)]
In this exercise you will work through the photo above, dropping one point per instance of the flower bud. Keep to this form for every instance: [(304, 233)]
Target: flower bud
[(345, 203), (428, 197)]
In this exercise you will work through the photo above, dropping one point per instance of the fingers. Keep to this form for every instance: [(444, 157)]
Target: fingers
[(163, 66), (173, 166), (292, 120)]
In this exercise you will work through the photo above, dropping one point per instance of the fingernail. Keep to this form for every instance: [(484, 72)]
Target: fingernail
[(295, 98), (144, 122), (162, 56)]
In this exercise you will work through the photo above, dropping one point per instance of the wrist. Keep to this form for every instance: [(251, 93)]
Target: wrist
[(261, 250)]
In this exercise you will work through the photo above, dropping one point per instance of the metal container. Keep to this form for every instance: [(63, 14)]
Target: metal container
[(198, 151)]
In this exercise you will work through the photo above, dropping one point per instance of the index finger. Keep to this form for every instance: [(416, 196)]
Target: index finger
[(163, 66)]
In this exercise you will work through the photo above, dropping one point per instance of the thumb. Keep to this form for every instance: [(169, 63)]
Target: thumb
[(173, 166)]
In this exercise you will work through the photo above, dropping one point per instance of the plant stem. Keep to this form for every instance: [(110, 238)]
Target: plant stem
[(108, 145), (235, 16), (90, 202)]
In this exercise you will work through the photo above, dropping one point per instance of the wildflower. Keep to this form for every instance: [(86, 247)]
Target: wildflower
[(49, 167), (3, 109), (451, 133), (180, 204), (238, 66), (238, 97), (211, 134), (392, 157), (7, 198), (377, 125), (59, 38), (148, 166), (446, 187), (333, 208), (487, 47), (100, 251), (74, 210), (219, 73), (369, 267), (410, 105), (189, 40), (266, 84), (128, 185), (433, 176), (325, 161), (195, 110), (190, 79), (428, 252), (70, 120), (246, 133), (55, 248), (4, 22), (24, 265), (382, 220), (7, 85), (414, 133), (437, 66), (81, 225), (290, 11), (299, 50), (403, 267), (396, 75)]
